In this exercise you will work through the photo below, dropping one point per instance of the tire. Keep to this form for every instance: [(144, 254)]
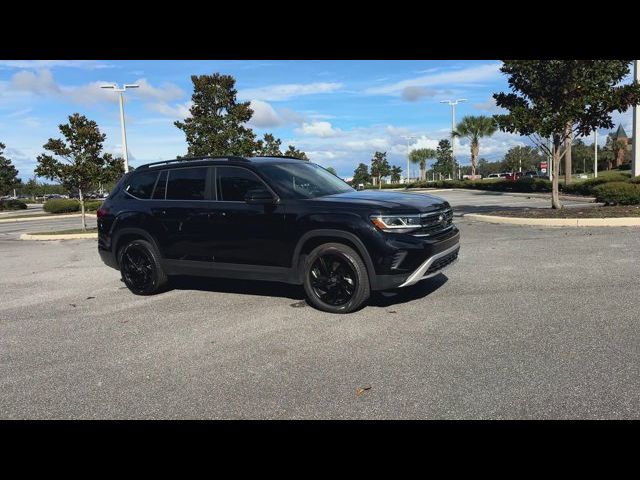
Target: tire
[(346, 287), (140, 267)]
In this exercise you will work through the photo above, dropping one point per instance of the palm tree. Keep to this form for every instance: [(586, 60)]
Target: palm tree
[(421, 155), (475, 128)]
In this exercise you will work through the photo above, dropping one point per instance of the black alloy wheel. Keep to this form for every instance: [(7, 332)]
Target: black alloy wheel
[(141, 271), (336, 278)]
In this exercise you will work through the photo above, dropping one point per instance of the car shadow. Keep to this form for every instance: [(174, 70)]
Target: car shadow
[(296, 292), (247, 287), (421, 289)]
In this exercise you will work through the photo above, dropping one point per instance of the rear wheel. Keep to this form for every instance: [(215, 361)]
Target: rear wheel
[(141, 269), (336, 279)]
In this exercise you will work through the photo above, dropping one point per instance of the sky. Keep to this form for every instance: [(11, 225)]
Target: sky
[(338, 111)]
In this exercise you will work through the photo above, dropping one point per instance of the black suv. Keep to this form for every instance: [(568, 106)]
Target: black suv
[(271, 218)]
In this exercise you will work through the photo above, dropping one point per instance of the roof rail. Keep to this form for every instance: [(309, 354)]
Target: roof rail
[(190, 159), (277, 156)]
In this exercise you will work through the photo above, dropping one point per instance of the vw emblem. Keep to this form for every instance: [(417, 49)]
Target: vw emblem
[(440, 218)]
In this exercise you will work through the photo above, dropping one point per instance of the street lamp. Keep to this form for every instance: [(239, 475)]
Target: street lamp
[(407, 138), (120, 91), (453, 104), (635, 136)]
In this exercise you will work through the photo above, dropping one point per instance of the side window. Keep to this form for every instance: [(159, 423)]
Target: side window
[(161, 186), (141, 185), (233, 183), (187, 184)]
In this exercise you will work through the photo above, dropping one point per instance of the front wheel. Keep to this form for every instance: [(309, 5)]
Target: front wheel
[(140, 268), (336, 279)]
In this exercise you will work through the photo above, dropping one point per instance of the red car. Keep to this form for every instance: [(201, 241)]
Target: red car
[(512, 177)]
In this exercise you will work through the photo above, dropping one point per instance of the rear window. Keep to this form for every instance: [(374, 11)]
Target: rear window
[(141, 185), (187, 184)]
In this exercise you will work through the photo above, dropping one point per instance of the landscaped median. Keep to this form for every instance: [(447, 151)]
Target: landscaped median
[(613, 216), (73, 234), (35, 216)]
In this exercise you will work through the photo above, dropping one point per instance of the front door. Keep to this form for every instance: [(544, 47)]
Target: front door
[(242, 233)]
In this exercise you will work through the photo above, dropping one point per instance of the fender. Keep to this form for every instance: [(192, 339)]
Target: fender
[(138, 231), (325, 232)]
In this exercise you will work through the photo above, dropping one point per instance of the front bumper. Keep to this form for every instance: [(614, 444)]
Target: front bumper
[(440, 254), (433, 265)]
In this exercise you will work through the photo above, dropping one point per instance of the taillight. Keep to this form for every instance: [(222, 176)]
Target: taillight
[(102, 211)]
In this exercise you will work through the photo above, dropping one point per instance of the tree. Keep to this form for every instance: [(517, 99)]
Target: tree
[(269, 146), (332, 170), (420, 156), (396, 173), (294, 152), (216, 126), (444, 158), (557, 98), (474, 128), (78, 161), (8, 173), (583, 156), (521, 158), (380, 166), (361, 175)]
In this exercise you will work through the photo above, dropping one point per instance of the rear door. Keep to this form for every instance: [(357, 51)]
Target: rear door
[(184, 212)]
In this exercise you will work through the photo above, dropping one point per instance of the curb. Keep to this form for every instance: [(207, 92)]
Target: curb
[(546, 196), (68, 236), (43, 217), (558, 222)]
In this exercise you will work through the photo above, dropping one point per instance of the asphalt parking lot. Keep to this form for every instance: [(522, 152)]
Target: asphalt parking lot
[(531, 322)]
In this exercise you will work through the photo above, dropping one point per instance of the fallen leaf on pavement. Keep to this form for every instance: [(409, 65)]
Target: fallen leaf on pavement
[(361, 390)]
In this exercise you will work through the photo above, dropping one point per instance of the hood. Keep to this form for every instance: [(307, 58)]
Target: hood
[(392, 201)]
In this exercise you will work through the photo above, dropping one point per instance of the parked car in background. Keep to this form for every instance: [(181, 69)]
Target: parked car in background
[(531, 174), (512, 177)]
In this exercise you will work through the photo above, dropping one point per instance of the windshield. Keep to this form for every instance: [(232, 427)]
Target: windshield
[(303, 180)]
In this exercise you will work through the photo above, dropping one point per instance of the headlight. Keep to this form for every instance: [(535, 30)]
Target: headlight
[(396, 223)]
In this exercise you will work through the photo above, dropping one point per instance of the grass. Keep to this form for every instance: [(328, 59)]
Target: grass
[(572, 212), (67, 232), (39, 215)]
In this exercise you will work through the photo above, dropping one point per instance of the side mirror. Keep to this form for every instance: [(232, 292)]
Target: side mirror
[(259, 196)]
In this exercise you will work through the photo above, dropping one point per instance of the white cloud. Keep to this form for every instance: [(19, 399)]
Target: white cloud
[(264, 115), (489, 106), (178, 111), (39, 64), (273, 93), (415, 93), (166, 92), (42, 83), (39, 83), (462, 76), (318, 129)]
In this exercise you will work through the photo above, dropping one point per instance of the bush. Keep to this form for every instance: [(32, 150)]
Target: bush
[(635, 179), (92, 205), (61, 205), (618, 193), (12, 205), (587, 187)]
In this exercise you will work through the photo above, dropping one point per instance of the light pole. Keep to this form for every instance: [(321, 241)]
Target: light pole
[(120, 91), (595, 153), (453, 104), (407, 138), (635, 156)]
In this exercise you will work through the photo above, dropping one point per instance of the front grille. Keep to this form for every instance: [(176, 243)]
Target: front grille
[(433, 223), (440, 263)]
